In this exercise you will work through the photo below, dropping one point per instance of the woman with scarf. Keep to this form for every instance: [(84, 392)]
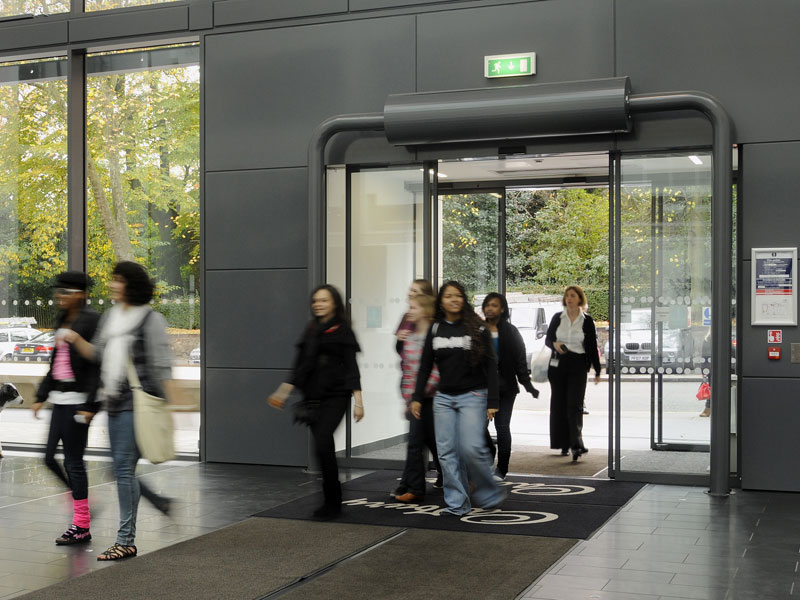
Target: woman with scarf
[(326, 372), (129, 331)]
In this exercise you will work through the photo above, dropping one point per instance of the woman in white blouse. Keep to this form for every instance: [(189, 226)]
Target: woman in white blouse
[(573, 339)]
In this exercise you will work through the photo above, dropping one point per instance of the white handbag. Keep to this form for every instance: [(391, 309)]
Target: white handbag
[(152, 422), (540, 365)]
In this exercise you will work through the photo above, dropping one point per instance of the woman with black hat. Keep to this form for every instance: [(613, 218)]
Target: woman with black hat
[(71, 387)]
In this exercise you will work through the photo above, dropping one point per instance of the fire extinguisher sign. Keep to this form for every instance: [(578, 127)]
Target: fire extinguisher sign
[(775, 336)]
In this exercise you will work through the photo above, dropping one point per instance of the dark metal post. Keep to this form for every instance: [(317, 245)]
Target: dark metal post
[(76, 150), (722, 202), (317, 221)]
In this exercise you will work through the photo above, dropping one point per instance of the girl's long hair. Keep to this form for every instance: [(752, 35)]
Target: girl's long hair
[(341, 312), (472, 322)]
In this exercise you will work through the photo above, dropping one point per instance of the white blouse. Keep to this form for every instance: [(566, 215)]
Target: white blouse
[(571, 334)]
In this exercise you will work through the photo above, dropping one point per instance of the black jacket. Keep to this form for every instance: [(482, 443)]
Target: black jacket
[(325, 365), (512, 363), (87, 372), (589, 340)]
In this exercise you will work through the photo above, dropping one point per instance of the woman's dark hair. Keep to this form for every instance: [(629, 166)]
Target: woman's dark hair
[(340, 312), (505, 316), (139, 287), (472, 322)]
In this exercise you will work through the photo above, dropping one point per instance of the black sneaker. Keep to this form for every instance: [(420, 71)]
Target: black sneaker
[(439, 483), (74, 535)]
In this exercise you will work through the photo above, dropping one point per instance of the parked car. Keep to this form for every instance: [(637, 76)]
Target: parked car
[(37, 349), (194, 356), (10, 337), (639, 349), (532, 321)]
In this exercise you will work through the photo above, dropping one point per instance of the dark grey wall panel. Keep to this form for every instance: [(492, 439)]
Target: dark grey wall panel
[(245, 11), (33, 35), (573, 39), (769, 187), (242, 428), (736, 50), (266, 91), (128, 23), (257, 219), (373, 4), (254, 318), (769, 426), (201, 14)]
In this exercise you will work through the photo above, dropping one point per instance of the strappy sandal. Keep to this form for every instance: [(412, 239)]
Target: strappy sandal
[(117, 552)]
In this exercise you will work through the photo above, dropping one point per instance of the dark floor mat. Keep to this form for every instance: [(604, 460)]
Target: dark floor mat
[(444, 565), (521, 488), (246, 560), (549, 519)]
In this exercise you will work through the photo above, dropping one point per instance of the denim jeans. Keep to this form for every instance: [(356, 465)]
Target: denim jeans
[(460, 422), (125, 455)]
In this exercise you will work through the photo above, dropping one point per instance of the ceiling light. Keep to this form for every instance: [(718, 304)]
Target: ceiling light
[(695, 159)]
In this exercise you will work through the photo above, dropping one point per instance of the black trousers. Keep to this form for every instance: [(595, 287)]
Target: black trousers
[(421, 434), (502, 424), (331, 411), (73, 437), (568, 389)]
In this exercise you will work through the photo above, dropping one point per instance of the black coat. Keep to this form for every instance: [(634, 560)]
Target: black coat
[(589, 340), (512, 363), (325, 365), (87, 372)]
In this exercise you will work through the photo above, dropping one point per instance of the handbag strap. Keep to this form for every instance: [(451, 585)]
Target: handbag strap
[(133, 377)]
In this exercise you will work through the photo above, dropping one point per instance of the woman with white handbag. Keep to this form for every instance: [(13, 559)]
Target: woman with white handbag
[(131, 344)]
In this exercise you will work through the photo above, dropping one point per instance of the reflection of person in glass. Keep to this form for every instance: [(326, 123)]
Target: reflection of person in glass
[(512, 367), (461, 347), (325, 370), (573, 338), (130, 331), (70, 386)]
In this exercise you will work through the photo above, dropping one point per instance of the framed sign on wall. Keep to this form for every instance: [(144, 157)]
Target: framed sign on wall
[(774, 294)]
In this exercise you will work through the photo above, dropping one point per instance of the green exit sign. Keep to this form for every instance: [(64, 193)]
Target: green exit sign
[(509, 65)]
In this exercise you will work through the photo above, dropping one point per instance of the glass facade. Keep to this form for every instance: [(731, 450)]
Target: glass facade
[(143, 205), (93, 5), (13, 8)]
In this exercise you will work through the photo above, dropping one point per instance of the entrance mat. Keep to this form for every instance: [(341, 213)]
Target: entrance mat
[(445, 565), (514, 517), (521, 488), (540, 460), (246, 560)]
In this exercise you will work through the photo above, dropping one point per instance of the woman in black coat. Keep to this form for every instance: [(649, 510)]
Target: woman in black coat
[(325, 370), (512, 366), (573, 338)]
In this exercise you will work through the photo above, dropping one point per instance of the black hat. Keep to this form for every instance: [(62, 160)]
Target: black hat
[(76, 280)]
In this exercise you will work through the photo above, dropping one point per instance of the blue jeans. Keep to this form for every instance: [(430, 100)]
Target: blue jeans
[(125, 455), (460, 422)]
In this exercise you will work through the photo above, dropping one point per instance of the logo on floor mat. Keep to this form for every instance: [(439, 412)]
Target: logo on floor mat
[(477, 516), (545, 489)]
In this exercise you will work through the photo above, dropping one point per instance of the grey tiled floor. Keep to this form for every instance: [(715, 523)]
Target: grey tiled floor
[(677, 542), (667, 543)]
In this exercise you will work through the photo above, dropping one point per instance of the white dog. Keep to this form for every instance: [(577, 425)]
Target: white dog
[(9, 396)]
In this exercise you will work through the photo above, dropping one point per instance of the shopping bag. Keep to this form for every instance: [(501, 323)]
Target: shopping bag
[(152, 422), (540, 365), (704, 392)]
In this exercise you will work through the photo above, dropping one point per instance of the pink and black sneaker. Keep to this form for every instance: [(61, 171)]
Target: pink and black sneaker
[(74, 535)]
